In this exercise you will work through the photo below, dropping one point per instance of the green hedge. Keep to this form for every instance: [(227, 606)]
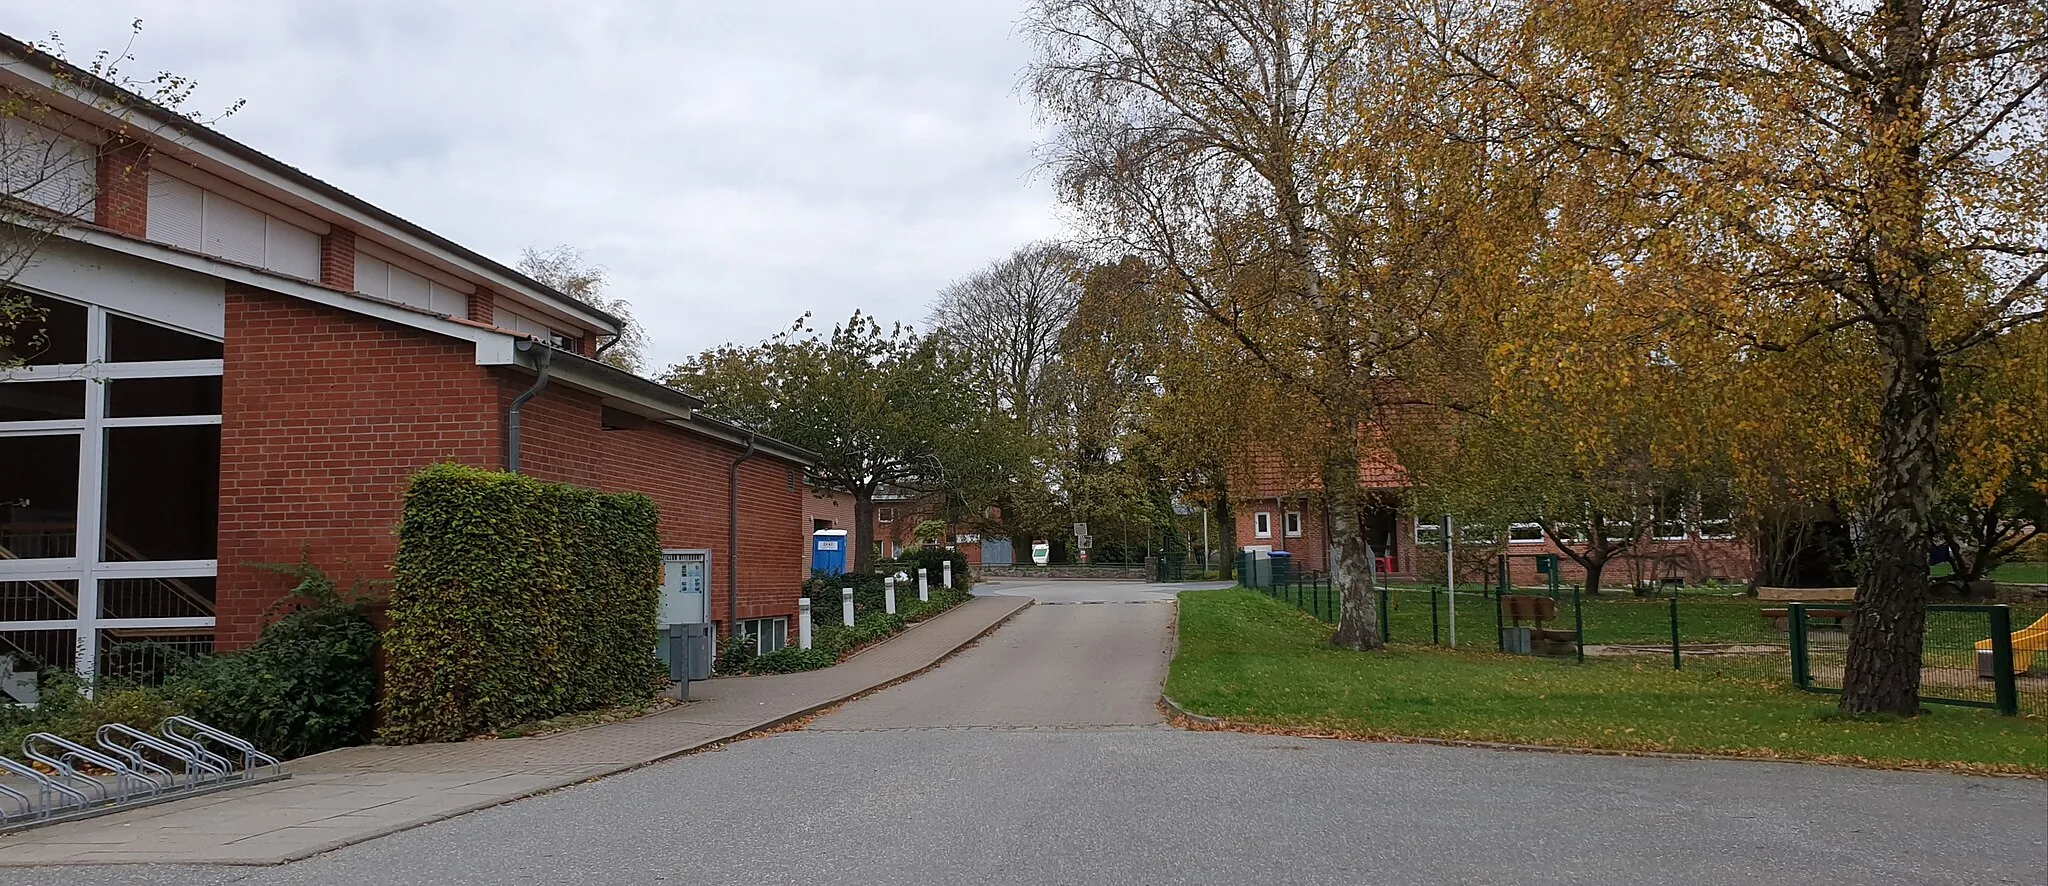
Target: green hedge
[(517, 600)]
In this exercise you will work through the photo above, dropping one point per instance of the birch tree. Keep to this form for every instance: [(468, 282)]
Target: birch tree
[(1276, 162)]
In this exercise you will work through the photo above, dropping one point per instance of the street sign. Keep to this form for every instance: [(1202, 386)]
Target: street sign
[(1084, 542), (1081, 531)]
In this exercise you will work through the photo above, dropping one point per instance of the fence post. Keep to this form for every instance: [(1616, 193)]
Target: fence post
[(1500, 628), (1386, 617), (1795, 636), (1578, 615), (924, 583), (803, 623), (1435, 636), (1675, 665), (846, 606), (2005, 683), (889, 595)]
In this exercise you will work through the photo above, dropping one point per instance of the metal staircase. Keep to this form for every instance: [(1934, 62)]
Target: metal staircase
[(66, 780)]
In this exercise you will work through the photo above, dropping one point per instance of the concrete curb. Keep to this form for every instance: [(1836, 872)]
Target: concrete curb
[(737, 734)]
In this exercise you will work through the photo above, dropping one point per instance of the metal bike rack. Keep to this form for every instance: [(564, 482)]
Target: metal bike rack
[(65, 780)]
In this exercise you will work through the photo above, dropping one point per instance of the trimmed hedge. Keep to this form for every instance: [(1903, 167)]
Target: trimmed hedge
[(517, 600)]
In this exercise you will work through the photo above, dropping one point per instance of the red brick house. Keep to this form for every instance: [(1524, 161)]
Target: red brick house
[(1283, 509), (236, 362)]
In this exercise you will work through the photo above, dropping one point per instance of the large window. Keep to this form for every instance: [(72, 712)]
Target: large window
[(109, 507)]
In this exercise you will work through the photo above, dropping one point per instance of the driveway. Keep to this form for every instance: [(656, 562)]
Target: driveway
[(1036, 757), (1089, 591)]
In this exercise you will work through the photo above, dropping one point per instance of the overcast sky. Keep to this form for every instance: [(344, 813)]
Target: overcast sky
[(731, 164)]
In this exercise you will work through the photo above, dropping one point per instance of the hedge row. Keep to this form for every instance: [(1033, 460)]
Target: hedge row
[(516, 600)]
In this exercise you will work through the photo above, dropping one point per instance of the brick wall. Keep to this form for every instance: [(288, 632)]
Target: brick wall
[(324, 415), (687, 476), (832, 506), (121, 187), (338, 259)]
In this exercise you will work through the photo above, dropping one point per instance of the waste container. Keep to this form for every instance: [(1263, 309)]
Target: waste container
[(1283, 567), (689, 650)]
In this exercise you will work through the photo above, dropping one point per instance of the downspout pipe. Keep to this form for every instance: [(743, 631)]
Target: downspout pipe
[(732, 542), (543, 356)]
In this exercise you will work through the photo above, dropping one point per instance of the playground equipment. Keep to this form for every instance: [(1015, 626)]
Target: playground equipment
[(2025, 642), (65, 779)]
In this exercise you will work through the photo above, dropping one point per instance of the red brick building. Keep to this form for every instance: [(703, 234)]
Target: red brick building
[(1283, 509), (234, 362)]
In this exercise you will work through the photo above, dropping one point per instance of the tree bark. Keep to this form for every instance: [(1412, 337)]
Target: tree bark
[(1883, 671), (1594, 566), (1358, 617)]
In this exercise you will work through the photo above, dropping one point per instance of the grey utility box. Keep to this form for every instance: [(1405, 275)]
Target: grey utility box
[(1514, 640), (688, 650)]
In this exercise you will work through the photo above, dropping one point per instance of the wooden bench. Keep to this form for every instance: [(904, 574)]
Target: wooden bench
[(1843, 619)]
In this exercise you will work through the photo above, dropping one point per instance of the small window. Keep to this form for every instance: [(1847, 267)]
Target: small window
[(1262, 525), (48, 332), (1714, 514), (1292, 523), (1670, 517), (1525, 533), (42, 401), (133, 341), (770, 634), (885, 515)]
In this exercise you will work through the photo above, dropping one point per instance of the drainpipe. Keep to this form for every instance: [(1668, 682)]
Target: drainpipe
[(732, 544), (541, 360)]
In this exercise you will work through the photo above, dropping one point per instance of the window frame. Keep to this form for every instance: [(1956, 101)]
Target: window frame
[(1290, 524), (1262, 524), (1541, 535), (90, 565)]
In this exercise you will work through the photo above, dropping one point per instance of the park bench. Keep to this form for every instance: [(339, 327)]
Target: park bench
[(1842, 619)]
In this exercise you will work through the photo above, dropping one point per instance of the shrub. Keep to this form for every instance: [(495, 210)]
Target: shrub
[(933, 559), (791, 660), (65, 710), (308, 684), (517, 600), (736, 654)]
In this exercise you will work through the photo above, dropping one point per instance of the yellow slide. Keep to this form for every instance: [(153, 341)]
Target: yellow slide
[(2025, 642)]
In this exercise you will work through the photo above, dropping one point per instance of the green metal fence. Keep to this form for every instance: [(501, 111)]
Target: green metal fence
[(1967, 656)]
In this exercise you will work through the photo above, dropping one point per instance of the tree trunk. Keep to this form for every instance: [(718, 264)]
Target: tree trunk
[(1596, 563), (1358, 618), (862, 558), (1883, 672)]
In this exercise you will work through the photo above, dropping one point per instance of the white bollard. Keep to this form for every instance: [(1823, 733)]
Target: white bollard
[(948, 574), (924, 585), (803, 623), (846, 605), (889, 595)]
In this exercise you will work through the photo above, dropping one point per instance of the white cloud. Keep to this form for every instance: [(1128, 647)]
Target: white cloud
[(731, 165)]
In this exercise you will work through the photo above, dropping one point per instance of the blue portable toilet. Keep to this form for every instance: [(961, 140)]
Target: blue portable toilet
[(828, 550)]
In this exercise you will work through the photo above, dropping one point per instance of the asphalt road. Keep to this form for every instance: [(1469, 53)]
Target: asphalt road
[(1035, 757)]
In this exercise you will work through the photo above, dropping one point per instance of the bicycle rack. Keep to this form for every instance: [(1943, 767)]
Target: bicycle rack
[(65, 780)]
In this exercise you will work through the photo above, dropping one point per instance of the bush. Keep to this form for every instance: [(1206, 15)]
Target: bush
[(736, 654), (517, 600), (791, 660), (309, 683), (934, 559), (65, 710)]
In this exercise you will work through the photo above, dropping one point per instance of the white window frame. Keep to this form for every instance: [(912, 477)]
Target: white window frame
[(1262, 524), (885, 514), (1712, 528), (775, 639), (88, 567), (1514, 528), (1290, 523)]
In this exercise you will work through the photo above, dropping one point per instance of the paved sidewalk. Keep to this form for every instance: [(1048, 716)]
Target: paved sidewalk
[(356, 794)]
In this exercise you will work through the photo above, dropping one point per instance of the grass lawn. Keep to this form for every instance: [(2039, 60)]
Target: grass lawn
[(1254, 660), (2022, 573)]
